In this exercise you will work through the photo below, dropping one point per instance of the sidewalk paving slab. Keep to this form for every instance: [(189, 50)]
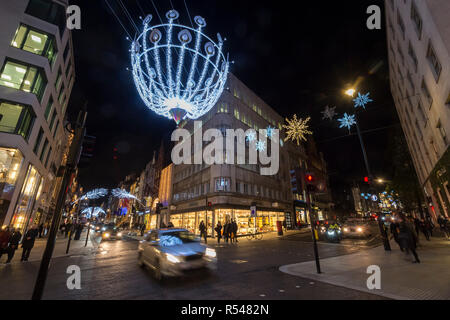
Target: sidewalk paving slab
[(400, 278)]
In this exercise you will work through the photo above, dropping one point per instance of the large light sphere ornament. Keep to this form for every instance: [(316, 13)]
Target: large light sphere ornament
[(179, 71)]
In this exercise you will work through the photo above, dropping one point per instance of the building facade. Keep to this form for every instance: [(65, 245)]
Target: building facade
[(418, 35), (214, 193), (36, 79)]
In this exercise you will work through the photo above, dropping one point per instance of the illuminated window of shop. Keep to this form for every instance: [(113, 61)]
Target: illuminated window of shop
[(10, 164), (26, 198), (16, 119), (23, 77)]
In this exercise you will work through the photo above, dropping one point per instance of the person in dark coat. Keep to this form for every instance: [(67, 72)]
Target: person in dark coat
[(384, 235), (170, 225), (226, 231), (78, 230), (41, 228), (143, 227), (394, 231), (13, 244), (5, 235), (234, 229), (417, 227), (28, 242), (202, 229), (407, 239), (443, 225), (425, 229), (218, 230)]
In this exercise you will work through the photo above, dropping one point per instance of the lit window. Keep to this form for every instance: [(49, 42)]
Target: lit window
[(23, 77), (16, 119), (35, 41)]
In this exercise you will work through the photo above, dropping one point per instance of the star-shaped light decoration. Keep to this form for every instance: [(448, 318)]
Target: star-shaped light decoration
[(347, 121), (269, 131), (329, 113), (260, 145), (251, 136), (297, 129), (362, 100)]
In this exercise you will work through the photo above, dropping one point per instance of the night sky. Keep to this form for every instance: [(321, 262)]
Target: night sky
[(296, 58)]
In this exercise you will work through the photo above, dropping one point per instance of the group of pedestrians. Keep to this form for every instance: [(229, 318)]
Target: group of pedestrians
[(406, 232), (10, 240), (229, 231)]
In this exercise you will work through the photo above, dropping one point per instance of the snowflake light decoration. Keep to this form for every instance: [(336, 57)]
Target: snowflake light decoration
[(251, 136), (297, 129), (122, 194), (270, 131), (329, 113), (260, 145), (178, 71), (347, 121), (362, 100)]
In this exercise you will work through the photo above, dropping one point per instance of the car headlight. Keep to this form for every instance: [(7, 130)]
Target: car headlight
[(106, 235), (119, 234), (210, 253), (103, 229), (345, 229), (172, 258), (359, 229)]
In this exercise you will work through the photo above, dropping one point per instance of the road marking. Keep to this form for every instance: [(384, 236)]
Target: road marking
[(238, 261), (262, 295), (311, 283), (281, 290), (297, 287)]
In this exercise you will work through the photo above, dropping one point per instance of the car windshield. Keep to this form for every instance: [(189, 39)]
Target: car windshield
[(175, 238)]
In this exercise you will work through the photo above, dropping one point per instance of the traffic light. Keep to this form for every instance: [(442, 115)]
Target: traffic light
[(87, 150), (366, 179), (310, 182)]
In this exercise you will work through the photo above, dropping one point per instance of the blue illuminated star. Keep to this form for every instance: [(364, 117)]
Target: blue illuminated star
[(260, 145), (270, 131), (362, 100), (347, 121), (251, 136)]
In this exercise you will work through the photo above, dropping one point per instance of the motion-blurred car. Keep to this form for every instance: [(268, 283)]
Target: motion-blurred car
[(109, 231), (356, 229), (173, 252)]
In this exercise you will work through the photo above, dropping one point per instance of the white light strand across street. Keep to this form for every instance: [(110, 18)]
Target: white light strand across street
[(93, 211), (122, 194), (178, 71), (95, 194)]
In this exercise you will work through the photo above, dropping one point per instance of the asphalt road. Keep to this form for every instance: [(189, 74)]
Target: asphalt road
[(247, 270)]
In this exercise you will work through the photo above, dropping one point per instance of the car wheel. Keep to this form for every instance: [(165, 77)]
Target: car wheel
[(140, 260), (157, 272)]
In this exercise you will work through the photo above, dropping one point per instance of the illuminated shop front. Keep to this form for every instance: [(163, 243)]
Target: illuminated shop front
[(10, 165), (266, 221), (27, 199)]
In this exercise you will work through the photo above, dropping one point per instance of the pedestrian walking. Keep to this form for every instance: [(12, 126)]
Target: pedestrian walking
[(407, 239), (143, 228), (394, 231), (5, 235), (429, 225), (234, 230), (417, 227), (218, 230), (384, 235), (202, 229), (41, 228), (226, 231), (13, 244), (425, 229), (443, 225), (78, 230), (28, 242)]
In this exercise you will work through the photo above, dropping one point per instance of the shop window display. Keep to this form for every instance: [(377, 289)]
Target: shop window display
[(10, 165)]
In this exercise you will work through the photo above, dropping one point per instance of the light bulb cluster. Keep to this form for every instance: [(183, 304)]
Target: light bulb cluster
[(178, 71)]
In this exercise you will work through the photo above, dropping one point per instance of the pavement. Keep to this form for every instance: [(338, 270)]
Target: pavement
[(400, 278), (77, 247)]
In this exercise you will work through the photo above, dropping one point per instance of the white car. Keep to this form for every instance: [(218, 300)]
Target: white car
[(172, 252), (356, 229)]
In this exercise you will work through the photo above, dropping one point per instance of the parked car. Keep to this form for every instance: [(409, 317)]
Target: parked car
[(173, 252)]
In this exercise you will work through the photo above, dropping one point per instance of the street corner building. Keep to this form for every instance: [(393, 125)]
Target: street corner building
[(36, 79), (418, 36), (221, 192)]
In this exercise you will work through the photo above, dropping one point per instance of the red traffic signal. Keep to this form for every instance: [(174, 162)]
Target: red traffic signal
[(366, 179), (309, 178)]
